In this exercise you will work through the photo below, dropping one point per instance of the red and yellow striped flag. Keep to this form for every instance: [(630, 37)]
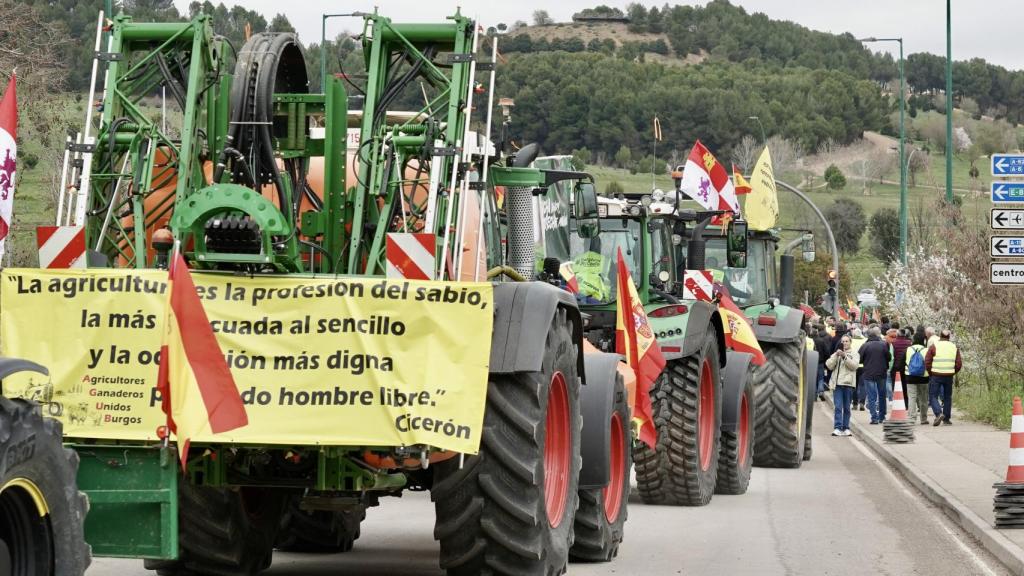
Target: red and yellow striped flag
[(739, 182), (657, 129), (739, 335), (197, 389), (635, 340)]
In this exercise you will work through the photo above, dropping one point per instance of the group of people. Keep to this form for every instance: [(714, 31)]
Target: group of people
[(859, 364)]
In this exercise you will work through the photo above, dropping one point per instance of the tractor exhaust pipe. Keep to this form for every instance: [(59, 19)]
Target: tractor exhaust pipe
[(521, 254), (696, 248), (787, 264)]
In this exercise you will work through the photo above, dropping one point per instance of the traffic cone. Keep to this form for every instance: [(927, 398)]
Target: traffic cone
[(899, 407), (897, 428), (1009, 500)]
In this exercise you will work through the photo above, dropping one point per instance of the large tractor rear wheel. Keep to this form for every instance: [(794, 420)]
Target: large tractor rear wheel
[(509, 509), (223, 532), (737, 456), (687, 402), (42, 513), (318, 531), (602, 514), (780, 424)]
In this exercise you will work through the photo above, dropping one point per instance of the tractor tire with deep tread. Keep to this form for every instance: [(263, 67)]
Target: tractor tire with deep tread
[(223, 532), (492, 511), (673, 473), (779, 438), (35, 465), (318, 531), (601, 518), (737, 456)]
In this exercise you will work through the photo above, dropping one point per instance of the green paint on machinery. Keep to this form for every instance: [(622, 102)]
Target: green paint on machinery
[(254, 175)]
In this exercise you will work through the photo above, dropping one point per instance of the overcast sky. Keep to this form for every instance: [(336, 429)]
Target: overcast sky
[(988, 29)]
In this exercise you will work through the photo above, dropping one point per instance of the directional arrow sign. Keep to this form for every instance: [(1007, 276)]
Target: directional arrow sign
[(1007, 246), (1007, 273), (1008, 164), (1007, 219), (1004, 192)]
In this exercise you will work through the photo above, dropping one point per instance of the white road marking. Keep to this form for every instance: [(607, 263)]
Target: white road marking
[(916, 498)]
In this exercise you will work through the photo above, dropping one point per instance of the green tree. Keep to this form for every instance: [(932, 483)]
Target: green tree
[(835, 178), (885, 234), (812, 277), (280, 23), (542, 18), (580, 158), (623, 156), (847, 220), (613, 187)]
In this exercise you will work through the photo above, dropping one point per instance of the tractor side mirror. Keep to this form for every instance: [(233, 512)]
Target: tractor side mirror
[(588, 224), (737, 244)]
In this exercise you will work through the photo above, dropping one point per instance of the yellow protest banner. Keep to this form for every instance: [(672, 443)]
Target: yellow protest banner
[(762, 206), (325, 360)]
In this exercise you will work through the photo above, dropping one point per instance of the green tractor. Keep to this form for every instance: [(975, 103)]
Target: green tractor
[(785, 383), (260, 181), (703, 402)]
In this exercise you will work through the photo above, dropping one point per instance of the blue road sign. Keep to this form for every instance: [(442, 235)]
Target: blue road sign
[(1007, 246), (1003, 192), (1008, 164)]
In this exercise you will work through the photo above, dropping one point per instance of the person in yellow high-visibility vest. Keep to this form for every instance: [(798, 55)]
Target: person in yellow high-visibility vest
[(592, 269), (943, 362)]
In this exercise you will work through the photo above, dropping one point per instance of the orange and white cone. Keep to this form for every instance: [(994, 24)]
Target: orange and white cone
[(899, 406), (1015, 471), (897, 428)]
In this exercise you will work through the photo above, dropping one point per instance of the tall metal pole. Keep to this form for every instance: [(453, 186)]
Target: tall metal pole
[(949, 105), (903, 165), (828, 232), (903, 135), (323, 46), (764, 140), (323, 53)]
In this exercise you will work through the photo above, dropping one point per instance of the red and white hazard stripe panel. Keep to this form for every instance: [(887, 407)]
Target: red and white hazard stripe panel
[(410, 255), (61, 246), (697, 285)]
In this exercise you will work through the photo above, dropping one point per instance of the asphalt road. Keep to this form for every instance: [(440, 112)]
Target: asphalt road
[(842, 513)]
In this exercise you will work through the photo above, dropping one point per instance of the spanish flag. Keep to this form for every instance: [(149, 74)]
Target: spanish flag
[(739, 182), (739, 335), (198, 392), (634, 339), (657, 129)]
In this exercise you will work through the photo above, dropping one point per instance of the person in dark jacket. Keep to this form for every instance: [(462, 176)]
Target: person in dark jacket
[(900, 343), (822, 345), (875, 357)]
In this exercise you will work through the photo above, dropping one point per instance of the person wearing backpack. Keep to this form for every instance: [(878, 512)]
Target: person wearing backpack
[(915, 377)]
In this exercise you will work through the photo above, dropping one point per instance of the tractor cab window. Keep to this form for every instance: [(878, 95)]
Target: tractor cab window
[(594, 259), (748, 285), (661, 252)]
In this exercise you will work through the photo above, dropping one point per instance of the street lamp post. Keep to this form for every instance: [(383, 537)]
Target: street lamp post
[(949, 107), (764, 140), (323, 48), (903, 163)]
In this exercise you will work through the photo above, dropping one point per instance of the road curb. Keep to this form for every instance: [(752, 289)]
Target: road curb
[(1008, 552)]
